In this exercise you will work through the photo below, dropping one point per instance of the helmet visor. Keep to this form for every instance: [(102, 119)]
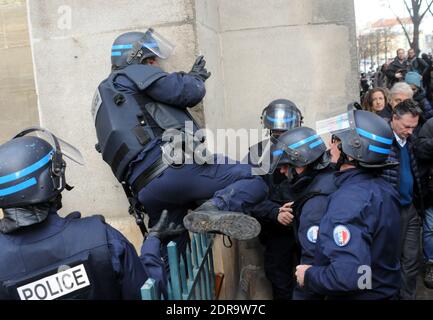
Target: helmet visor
[(66, 148), (341, 123), (69, 151), (157, 44), (334, 125), (280, 118), (266, 160)]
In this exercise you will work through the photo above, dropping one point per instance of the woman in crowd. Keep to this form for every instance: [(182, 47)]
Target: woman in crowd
[(376, 100)]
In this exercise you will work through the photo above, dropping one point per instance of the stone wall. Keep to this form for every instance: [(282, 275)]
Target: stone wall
[(18, 103)]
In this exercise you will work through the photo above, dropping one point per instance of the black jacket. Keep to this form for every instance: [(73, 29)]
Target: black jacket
[(424, 152), (418, 65), (395, 67), (385, 113), (424, 104)]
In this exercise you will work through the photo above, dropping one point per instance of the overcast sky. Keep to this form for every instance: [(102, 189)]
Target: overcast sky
[(372, 10)]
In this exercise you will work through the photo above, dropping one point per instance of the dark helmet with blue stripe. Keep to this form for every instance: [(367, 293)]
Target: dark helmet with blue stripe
[(135, 47), (281, 115), (299, 147), (368, 139), (32, 169)]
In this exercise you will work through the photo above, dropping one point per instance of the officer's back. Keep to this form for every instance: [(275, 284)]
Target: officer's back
[(369, 197), (59, 258), (357, 255)]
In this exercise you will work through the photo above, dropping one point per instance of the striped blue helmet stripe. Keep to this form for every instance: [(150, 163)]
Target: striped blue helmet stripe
[(129, 46), (379, 150), (285, 120), (304, 141), (278, 152), (373, 136), (121, 46), (315, 144), (32, 168), (21, 186), (116, 53)]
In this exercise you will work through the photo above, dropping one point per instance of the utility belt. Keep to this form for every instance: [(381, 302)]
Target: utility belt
[(148, 175), (136, 209), (174, 154)]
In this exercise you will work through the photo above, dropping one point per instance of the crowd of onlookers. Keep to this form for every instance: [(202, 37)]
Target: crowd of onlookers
[(408, 79), (395, 70)]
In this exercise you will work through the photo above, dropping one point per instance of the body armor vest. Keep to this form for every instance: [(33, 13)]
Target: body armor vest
[(126, 122), (73, 263)]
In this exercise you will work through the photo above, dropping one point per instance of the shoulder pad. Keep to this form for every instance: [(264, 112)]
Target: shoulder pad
[(73, 215), (77, 215), (142, 75), (99, 216), (324, 183)]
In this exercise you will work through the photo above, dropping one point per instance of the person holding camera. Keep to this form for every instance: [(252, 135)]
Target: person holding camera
[(397, 69)]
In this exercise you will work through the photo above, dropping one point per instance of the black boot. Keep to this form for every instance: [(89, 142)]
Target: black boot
[(209, 219)]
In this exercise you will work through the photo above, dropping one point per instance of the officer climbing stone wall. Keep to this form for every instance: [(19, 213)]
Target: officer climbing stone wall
[(133, 108)]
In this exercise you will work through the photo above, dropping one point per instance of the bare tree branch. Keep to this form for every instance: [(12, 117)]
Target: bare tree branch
[(407, 8), (406, 33), (426, 10)]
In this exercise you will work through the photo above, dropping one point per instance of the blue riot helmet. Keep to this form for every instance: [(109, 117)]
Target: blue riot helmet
[(367, 139), (281, 115), (135, 47), (32, 168), (300, 147)]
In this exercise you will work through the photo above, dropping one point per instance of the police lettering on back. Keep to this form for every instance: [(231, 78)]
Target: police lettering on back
[(56, 285)]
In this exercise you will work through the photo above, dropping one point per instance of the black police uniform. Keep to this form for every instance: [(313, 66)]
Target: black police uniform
[(73, 258)]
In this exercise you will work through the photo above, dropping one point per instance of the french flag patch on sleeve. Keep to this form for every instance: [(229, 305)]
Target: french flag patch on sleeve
[(341, 235)]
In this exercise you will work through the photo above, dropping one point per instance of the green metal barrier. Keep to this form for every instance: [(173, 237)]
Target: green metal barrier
[(193, 279)]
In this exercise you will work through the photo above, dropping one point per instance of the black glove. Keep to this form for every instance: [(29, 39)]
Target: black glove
[(198, 70), (163, 230)]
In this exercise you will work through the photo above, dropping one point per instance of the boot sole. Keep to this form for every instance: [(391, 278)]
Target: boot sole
[(236, 225)]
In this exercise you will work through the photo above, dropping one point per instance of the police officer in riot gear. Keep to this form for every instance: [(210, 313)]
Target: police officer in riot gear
[(134, 108), (277, 117), (46, 257), (305, 159), (356, 256), (281, 115), (274, 214)]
